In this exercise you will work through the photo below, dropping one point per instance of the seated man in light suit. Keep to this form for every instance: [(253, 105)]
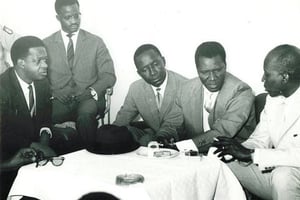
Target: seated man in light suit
[(270, 159), (216, 103), (151, 97)]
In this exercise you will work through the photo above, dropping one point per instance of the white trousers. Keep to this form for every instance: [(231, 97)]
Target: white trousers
[(280, 184)]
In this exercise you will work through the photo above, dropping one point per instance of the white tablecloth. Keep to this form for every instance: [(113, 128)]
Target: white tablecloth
[(179, 178)]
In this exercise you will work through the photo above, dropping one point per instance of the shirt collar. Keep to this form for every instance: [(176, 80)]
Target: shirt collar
[(66, 38), (162, 86), (208, 93), (293, 98), (23, 84)]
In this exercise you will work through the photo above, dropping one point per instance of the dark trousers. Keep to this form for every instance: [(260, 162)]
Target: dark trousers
[(83, 113)]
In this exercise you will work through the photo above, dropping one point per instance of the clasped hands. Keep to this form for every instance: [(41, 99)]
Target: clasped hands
[(67, 96), (228, 146)]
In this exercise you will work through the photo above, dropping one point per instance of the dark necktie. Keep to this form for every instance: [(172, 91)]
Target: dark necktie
[(31, 100), (158, 97), (70, 50)]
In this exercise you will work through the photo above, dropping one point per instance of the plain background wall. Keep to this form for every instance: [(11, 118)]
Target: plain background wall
[(248, 29)]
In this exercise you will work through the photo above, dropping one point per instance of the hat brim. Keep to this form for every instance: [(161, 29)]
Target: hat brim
[(111, 150)]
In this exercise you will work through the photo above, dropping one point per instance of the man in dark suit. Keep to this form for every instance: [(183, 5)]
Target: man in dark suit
[(80, 71), (216, 103), (151, 97), (25, 108)]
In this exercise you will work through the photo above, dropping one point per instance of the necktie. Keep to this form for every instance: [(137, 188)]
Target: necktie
[(70, 55), (158, 97), (70, 50), (208, 104), (31, 100)]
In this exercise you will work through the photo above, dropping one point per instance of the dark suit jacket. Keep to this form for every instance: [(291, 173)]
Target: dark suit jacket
[(141, 100), (93, 66), (233, 114), (18, 128)]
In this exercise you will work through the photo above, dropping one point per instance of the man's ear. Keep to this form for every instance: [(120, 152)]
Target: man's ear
[(21, 63), (58, 17), (164, 60)]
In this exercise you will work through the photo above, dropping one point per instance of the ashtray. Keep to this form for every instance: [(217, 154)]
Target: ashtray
[(127, 179)]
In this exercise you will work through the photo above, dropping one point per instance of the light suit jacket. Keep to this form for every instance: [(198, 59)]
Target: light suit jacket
[(141, 100), (93, 66), (18, 128), (277, 143), (233, 113)]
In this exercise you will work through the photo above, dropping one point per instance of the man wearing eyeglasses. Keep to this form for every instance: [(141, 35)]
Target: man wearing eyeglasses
[(25, 109), (80, 71), (216, 103), (151, 98)]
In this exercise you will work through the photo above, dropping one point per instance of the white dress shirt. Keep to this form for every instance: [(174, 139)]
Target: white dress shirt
[(66, 39), (25, 90), (162, 88), (208, 98)]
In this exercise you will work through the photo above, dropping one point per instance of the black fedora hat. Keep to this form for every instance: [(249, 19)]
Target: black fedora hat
[(112, 139)]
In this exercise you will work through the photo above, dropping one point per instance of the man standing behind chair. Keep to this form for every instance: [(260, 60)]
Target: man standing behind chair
[(151, 97), (269, 161), (80, 71), (25, 108), (215, 103)]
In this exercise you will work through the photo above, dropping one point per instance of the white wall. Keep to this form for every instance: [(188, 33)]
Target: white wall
[(248, 29)]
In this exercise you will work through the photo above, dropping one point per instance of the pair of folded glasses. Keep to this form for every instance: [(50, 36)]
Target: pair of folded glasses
[(41, 160)]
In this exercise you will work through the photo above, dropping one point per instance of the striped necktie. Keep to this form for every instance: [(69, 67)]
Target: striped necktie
[(158, 98), (31, 100), (70, 50)]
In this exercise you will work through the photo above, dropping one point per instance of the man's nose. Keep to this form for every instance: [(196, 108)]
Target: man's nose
[(152, 70), (44, 64), (263, 78), (212, 76)]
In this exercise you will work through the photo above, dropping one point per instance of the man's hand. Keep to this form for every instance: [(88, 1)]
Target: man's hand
[(167, 142), (22, 157), (48, 152), (228, 146), (83, 95)]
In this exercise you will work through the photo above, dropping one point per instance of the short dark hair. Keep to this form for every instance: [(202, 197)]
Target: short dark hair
[(210, 49), (61, 3), (143, 48), (22, 45), (288, 58)]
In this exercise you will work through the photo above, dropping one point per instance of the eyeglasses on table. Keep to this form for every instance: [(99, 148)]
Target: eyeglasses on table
[(41, 160)]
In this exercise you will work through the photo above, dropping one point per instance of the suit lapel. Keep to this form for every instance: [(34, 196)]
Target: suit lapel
[(61, 47), (169, 95), (196, 99), (79, 46), (292, 118), (19, 98), (151, 103)]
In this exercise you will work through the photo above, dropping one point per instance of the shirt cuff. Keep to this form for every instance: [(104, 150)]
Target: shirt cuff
[(186, 145), (47, 130), (94, 93)]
